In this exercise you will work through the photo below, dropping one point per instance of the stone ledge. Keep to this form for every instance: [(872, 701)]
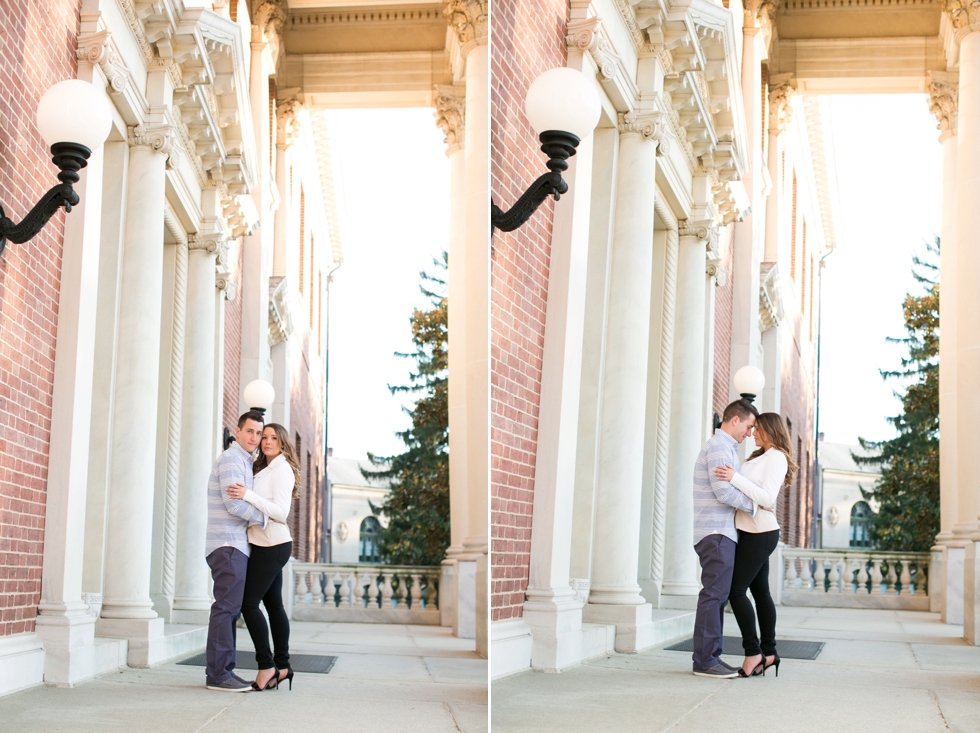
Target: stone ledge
[(853, 600), (21, 662)]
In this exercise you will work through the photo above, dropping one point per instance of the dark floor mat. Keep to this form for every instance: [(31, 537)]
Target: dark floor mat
[(787, 648), (308, 663)]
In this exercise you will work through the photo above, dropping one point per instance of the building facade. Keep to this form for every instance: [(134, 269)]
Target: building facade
[(355, 526), (196, 261), (845, 514), (690, 243)]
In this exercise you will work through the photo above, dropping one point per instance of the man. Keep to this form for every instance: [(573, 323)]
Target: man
[(715, 502), (227, 551)]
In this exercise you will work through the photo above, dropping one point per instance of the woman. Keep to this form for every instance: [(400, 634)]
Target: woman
[(768, 469), (276, 484)]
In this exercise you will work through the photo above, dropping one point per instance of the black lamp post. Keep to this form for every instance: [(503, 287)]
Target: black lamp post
[(563, 108), (74, 119)]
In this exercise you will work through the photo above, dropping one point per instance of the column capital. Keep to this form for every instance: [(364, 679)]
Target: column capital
[(782, 89), (943, 101), (268, 22), (287, 112), (159, 138), (468, 19), (703, 231), (226, 285), (964, 15), (652, 126), (210, 244), (450, 115)]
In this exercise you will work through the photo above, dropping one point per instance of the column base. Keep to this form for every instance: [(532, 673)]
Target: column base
[(640, 627), (971, 593), (151, 641), (464, 623), (616, 596), (680, 596), (447, 593), (559, 639), (195, 611), (937, 578), (72, 652), (482, 607), (952, 591)]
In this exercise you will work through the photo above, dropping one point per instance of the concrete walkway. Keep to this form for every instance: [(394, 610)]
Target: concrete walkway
[(387, 678), (888, 671)]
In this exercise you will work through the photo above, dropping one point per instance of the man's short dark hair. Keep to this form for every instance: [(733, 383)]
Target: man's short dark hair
[(742, 409), (251, 415)]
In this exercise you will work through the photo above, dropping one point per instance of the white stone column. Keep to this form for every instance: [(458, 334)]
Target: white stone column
[(680, 587), (749, 243), (946, 589), (255, 273), (126, 608), (468, 18), (967, 304), (64, 623), (450, 104), (192, 601), (552, 610), (615, 595)]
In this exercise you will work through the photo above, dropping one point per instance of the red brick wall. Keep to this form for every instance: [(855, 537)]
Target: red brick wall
[(233, 345), (794, 508), (37, 50), (306, 419), (724, 299), (528, 39)]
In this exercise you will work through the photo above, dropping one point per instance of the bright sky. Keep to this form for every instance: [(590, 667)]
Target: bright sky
[(396, 187), (889, 171)]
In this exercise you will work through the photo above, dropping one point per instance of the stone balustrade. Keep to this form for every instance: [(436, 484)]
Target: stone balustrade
[(383, 594), (854, 578)]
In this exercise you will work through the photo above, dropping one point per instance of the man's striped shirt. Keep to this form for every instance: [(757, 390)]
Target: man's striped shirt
[(715, 501), (228, 519)]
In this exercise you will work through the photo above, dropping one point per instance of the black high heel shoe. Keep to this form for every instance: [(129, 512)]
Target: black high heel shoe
[(760, 668), (773, 663), (272, 683), (289, 676)]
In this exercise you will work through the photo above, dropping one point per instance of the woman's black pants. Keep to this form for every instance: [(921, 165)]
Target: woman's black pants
[(263, 582), (752, 573)]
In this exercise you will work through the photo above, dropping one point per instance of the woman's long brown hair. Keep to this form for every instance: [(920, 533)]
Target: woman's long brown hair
[(287, 450), (774, 427)]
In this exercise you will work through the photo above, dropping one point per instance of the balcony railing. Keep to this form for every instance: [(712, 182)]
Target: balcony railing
[(381, 594), (855, 579)]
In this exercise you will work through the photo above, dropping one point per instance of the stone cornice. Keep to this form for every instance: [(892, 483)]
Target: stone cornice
[(943, 101), (468, 20), (822, 163), (450, 115)]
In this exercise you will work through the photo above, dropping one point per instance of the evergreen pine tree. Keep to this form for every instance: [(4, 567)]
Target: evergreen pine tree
[(417, 507), (908, 490)]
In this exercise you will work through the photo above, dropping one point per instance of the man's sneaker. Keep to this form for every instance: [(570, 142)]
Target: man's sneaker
[(248, 682), (726, 665), (232, 685), (716, 671)]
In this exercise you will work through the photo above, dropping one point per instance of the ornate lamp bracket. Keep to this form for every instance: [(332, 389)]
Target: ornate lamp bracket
[(70, 158), (559, 146)]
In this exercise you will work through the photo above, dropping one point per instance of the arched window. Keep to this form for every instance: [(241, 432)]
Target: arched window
[(370, 533), (860, 524)]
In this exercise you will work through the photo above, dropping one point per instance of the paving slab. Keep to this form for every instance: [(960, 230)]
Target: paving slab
[(366, 690), (864, 680)]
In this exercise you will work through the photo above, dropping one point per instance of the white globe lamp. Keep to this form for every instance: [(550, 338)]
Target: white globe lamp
[(749, 382), (259, 395), (563, 100)]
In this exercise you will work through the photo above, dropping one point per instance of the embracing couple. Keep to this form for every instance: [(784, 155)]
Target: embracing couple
[(248, 544), (735, 531)]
